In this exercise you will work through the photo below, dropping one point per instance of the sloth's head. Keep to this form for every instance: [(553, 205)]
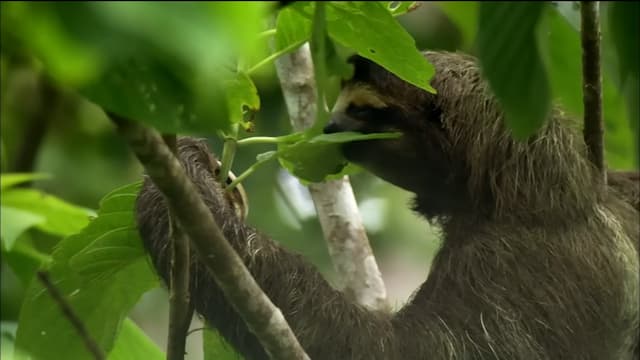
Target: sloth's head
[(456, 153)]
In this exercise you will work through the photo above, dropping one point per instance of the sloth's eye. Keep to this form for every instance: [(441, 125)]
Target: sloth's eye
[(361, 112)]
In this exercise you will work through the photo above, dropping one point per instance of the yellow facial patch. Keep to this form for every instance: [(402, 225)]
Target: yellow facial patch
[(359, 95)]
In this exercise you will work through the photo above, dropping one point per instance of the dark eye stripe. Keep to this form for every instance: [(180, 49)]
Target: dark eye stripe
[(372, 114)]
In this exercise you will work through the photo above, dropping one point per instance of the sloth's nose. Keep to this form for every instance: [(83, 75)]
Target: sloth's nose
[(332, 127)]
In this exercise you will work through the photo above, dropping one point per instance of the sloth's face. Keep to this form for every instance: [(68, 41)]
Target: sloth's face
[(401, 161)]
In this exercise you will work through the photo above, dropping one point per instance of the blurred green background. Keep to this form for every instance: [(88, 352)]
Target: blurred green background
[(53, 130)]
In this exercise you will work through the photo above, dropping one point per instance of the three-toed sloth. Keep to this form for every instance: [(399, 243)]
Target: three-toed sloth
[(536, 262)]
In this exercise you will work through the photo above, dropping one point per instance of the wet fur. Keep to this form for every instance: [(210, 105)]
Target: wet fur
[(535, 262)]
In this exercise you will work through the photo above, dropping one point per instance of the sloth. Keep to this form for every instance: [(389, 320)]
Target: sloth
[(537, 260)]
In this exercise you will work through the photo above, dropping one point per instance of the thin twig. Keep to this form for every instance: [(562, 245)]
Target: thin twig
[(592, 86), (262, 317), (68, 312)]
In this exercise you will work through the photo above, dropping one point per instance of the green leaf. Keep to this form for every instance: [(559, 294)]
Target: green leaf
[(7, 339), (161, 64), (465, 15), (510, 61), (14, 222), (10, 180), (102, 302), (39, 30), (561, 51), (24, 259), (624, 23), (242, 98), (371, 30), (141, 88), (133, 344), (216, 348), (314, 159), (570, 10), (110, 242), (61, 218), (292, 30)]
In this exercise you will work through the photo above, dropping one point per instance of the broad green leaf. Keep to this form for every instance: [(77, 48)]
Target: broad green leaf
[(24, 258), (7, 340), (314, 159), (9, 180), (111, 247), (102, 302), (216, 348), (133, 344), (110, 242), (336, 66), (561, 51), (37, 29), (510, 61), (14, 222), (142, 88), (242, 98), (465, 15), (161, 64), (61, 218), (292, 30), (624, 25), (371, 30), (570, 10)]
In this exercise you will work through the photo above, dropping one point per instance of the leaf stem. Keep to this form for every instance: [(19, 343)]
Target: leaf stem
[(267, 33), (259, 140), (273, 56), (249, 171), (228, 154), (293, 137)]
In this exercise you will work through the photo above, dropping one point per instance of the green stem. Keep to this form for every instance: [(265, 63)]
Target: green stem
[(228, 153), (267, 33), (272, 57), (243, 176), (293, 137), (249, 171), (259, 140)]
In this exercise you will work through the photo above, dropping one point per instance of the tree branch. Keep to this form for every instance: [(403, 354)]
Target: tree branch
[(68, 312), (241, 290), (592, 85), (180, 306), (334, 200)]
